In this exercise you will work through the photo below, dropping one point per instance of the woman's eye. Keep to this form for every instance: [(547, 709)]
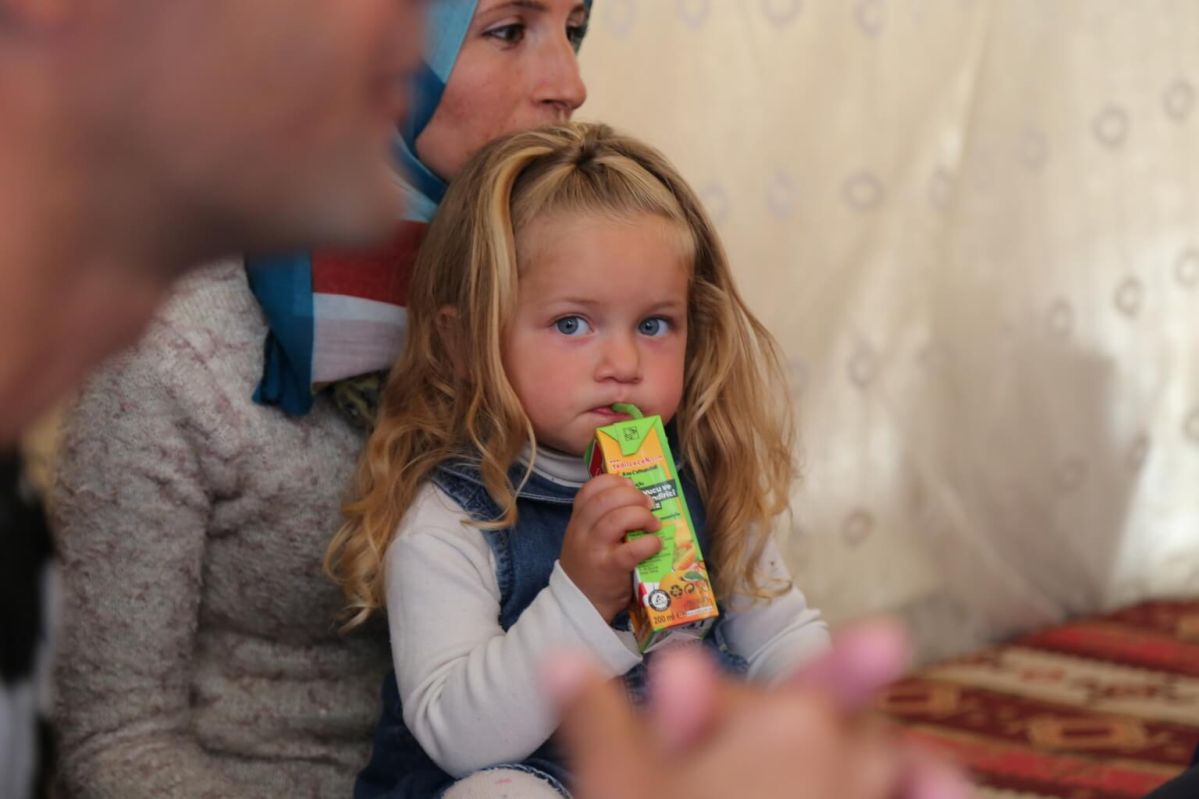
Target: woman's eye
[(572, 326), (512, 33), (654, 326), (576, 34)]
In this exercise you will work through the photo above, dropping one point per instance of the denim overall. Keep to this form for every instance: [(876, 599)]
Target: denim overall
[(525, 556)]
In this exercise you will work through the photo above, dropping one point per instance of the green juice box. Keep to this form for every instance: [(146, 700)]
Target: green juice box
[(672, 594)]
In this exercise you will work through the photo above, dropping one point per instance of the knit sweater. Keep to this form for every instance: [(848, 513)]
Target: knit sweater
[(200, 655)]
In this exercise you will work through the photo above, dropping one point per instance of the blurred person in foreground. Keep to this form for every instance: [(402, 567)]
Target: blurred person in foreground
[(141, 138)]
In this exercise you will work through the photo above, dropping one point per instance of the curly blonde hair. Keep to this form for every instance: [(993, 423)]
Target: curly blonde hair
[(449, 397)]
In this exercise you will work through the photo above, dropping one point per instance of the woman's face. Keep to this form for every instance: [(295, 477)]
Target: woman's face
[(517, 70)]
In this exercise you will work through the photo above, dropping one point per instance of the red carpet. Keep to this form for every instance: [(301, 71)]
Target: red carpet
[(1101, 708)]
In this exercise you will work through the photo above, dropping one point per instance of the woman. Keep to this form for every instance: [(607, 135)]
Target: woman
[(202, 656)]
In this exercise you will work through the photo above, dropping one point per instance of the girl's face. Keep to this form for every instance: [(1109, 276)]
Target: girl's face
[(601, 318), (516, 71)]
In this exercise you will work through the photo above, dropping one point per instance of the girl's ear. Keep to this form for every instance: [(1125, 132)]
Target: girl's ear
[(450, 330)]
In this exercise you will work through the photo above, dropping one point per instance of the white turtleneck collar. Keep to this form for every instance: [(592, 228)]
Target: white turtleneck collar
[(558, 467)]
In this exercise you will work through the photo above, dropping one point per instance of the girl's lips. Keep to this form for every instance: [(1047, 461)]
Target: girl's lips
[(607, 413)]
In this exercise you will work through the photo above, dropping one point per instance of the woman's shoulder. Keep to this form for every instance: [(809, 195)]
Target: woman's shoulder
[(197, 363), (193, 376), (211, 331), (215, 301)]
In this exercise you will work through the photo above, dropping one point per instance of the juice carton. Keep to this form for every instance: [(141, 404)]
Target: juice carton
[(672, 595)]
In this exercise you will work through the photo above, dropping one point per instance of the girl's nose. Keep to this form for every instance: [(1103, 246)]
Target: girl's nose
[(621, 360)]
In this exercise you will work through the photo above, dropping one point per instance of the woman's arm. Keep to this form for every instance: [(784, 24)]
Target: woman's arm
[(132, 507), (472, 693)]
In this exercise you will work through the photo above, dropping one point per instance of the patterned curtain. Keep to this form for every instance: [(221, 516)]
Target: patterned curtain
[(974, 226)]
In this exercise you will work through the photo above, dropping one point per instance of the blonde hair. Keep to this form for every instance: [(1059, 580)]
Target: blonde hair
[(449, 397)]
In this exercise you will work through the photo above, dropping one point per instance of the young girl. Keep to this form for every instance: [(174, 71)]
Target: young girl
[(568, 270)]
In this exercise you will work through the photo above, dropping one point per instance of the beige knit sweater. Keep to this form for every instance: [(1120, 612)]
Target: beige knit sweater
[(200, 656)]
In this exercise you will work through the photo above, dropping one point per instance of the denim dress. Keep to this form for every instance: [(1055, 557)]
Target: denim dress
[(525, 555)]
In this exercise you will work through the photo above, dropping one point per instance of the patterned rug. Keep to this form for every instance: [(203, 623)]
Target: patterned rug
[(1102, 708)]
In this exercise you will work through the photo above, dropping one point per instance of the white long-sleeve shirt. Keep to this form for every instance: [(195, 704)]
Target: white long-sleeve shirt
[(471, 692)]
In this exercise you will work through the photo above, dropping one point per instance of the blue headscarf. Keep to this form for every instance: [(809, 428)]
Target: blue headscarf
[(283, 284)]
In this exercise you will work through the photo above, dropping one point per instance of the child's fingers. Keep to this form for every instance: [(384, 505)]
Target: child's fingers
[(590, 510), (617, 523), (628, 555), (599, 484), (605, 483)]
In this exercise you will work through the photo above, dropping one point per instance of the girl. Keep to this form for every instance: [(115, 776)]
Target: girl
[(569, 269)]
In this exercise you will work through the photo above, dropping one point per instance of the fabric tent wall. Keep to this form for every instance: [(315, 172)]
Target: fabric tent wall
[(974, 226)]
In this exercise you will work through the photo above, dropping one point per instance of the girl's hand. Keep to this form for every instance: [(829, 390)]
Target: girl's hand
[(594, 553)]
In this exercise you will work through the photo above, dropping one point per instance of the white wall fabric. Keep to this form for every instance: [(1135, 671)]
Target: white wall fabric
[(974, 226)]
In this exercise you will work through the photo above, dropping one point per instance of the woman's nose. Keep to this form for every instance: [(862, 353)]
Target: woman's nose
[(561, 86)]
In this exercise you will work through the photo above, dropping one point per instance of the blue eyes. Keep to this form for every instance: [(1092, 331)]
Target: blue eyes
[(653, 327), (572, 326)]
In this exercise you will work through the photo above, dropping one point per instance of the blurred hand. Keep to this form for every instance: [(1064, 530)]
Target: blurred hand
[(706, 736)]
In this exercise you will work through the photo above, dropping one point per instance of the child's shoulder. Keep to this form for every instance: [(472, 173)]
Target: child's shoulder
[(433, 509), (435, 519), (434, 535)]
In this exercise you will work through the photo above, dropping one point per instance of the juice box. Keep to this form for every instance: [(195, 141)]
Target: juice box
[(672, 594)]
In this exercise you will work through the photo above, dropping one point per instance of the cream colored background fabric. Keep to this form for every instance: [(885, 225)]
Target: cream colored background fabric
[(974, 225)]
